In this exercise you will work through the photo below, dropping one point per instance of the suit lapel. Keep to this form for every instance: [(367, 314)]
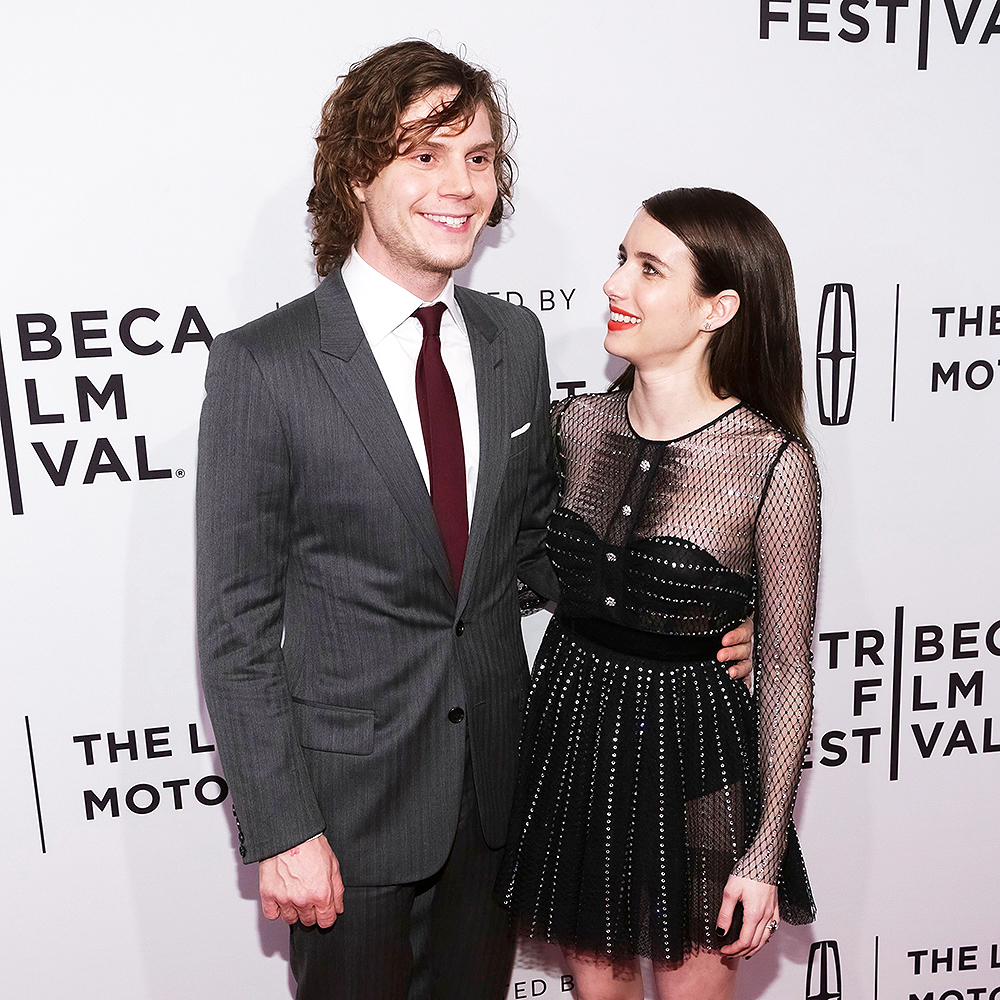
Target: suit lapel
[(350, 369), (494, 440)]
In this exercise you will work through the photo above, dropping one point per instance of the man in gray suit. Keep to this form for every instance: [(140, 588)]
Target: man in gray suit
[(373, 477)]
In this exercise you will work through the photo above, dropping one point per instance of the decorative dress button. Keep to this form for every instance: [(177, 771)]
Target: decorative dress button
[(609, 601), (627, 510), (611, 557), (456, 714), (644, 465), (459, 627)]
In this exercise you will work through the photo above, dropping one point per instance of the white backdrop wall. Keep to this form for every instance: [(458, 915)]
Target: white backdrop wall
[(155, 165)]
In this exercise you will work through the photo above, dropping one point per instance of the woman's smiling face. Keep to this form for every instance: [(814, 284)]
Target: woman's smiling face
[(656, 313)]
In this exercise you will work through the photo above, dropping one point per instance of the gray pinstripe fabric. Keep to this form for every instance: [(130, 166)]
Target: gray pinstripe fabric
[(313, 517)]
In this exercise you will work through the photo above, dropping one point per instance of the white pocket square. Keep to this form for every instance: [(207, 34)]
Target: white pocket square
[(520, 430)]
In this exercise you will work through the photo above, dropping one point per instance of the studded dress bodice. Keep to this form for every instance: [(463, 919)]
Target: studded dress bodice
[(688, 537)]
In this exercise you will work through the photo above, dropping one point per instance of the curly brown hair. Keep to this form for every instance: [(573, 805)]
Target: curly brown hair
[(361, 132)]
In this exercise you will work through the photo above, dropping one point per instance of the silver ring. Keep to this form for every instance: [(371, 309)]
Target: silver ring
[(772, 926)]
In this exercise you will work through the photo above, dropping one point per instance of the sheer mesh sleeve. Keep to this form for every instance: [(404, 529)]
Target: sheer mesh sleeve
[(787, 542)]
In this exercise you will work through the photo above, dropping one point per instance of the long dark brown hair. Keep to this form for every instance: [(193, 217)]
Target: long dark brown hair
[(360, 133), (756, 356)]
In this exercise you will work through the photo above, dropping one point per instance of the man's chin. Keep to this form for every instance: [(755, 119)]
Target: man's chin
[(454, 258), (446, 263)]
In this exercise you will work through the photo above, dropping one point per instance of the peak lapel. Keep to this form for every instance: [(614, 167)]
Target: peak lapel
[(352, 373)]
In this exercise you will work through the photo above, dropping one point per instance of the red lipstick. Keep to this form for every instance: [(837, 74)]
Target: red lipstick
[(615, 325)]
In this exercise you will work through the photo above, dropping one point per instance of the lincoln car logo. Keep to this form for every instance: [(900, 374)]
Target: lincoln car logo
[(836, 350), (823, 977)]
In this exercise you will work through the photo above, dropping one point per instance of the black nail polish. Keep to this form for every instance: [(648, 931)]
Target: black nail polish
[(720, 932)]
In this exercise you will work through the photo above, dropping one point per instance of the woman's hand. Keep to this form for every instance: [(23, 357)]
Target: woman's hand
[(737, 648), (760, 907)]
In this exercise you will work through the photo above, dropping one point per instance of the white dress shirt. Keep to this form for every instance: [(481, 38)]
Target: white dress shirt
[(385, 311)]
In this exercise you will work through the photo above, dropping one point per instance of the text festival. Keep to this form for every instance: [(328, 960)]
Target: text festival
[(854, 20)]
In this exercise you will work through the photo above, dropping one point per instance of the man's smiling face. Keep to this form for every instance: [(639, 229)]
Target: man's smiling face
[(424, 211)]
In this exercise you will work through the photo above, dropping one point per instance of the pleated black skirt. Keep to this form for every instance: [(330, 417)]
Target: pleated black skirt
[(636, 796)]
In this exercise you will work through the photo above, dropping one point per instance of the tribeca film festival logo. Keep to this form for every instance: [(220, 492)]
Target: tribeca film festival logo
[(77, 456), (856, 21), (138, 795), (933, 679)]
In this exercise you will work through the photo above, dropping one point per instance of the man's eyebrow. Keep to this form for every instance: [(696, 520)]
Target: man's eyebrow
[(432, 143)]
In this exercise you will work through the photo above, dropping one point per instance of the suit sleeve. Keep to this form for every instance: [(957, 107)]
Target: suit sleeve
[(243, 529), (541, 493)]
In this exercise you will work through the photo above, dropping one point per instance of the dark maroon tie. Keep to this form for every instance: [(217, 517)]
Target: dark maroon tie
[(443, 441)]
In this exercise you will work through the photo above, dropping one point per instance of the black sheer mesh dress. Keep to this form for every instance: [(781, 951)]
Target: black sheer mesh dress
[(648, 776)]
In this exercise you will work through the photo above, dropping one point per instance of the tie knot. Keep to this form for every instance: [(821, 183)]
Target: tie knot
[(430, 318)]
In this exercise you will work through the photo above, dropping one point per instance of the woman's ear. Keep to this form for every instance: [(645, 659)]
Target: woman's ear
[(725, 305)]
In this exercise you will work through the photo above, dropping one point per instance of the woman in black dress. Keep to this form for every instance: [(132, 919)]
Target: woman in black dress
[(654, 803)]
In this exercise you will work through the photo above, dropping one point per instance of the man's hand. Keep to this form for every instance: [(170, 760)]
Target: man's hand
[(737, 647), (302, 884)]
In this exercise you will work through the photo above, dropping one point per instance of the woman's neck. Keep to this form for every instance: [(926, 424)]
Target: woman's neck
[(668, 403)]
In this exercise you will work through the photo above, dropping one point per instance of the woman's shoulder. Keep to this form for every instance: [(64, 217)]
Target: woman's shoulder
[(795, 467), (770, 436), (756, 426), (590, 411), (783, 457)]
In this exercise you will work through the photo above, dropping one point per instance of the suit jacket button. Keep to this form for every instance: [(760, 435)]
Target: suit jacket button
[(459, 627), (456, 714)]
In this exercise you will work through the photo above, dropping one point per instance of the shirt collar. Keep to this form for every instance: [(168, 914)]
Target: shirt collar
[(382, 305)]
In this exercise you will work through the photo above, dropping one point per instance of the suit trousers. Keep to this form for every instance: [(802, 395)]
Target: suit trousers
[(443, 938)]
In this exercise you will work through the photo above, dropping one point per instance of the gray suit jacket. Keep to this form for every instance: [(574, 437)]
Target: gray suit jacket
[(332, 644)]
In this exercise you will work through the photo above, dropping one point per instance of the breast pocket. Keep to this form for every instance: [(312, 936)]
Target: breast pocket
[(520, 438)]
